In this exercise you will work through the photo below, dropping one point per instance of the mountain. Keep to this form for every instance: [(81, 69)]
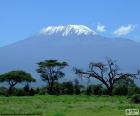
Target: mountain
[(68, 30), (76, 44)]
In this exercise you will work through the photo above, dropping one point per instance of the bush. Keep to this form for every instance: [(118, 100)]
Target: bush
[(97, 89), (133, 90), (37, 90), (68, 88), (3, 91), (20, 92), (135, 98), (26, 88), (94, 89), (77, 87), (32, 92), (104, 91), (89, 90), (120, 90)]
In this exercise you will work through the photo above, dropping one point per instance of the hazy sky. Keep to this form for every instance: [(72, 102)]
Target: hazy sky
[(20, 19)]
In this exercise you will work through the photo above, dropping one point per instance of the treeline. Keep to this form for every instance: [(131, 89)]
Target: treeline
[(73, 88), (112, 82)]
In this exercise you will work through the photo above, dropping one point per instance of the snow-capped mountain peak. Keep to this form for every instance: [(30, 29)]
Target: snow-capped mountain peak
[(68, 30)]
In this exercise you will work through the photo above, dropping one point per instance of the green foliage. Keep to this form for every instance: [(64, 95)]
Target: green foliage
[(94, 89), (133, 90), (89, 90), (125, 86), (97, 89), (21, 92), (32, 92), (77, 87), (15, 77), (51, 71), (26, 88), (104, 91), (68, 88), (120, 90), (37, 90), (3, 91), (135, 98)]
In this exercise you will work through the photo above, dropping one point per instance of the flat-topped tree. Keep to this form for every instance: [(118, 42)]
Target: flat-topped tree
[(51, 71), (108, 74), (15, 77)]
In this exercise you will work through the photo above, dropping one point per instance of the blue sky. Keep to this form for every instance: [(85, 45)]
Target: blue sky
[(20, 19)]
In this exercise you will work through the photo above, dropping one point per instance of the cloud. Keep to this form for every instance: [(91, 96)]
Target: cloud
[(124, 30), (101, 28)]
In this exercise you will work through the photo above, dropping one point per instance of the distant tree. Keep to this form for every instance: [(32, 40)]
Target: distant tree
[(68, 88), (26, 88), (88, 90), (20, 92), (135, 99), (107, 73), (32, 92), (97, 89), (37, 91), (51, 71), (123, 86), (15, 77), (77, 87)]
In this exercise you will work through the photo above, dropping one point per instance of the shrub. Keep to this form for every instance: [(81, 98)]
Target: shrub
[(77, 87), (68, 88), (94, 89), (89, 90), (32, 92), (104, 91), (121, 90), (37, 90), (133, 90), (97, 89), (20, 92), (3, 91), (26, 88), (135, 98)]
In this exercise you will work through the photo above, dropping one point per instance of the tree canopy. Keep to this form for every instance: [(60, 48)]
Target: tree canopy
[(14, 77), (51, 71)]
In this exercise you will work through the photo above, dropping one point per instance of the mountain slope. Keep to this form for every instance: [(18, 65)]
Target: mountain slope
[(75, 47)]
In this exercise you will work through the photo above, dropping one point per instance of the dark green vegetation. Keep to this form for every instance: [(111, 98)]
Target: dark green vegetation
[(67, 105), (135, 98), (51, 71), (70, 98), (15, 77), (112, 82)]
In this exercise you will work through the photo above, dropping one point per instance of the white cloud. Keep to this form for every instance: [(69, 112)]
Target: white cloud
[(124, 30), (101, 28)]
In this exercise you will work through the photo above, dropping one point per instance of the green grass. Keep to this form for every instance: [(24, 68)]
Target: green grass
[(67, 105)]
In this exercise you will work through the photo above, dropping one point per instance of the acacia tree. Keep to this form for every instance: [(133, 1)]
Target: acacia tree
[(51, 71), (15, 77), (108, 74)]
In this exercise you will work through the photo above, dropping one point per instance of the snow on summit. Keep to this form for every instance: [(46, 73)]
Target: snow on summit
[(68, 30)]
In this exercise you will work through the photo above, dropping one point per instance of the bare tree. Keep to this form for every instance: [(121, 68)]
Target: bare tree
[(108, 74)]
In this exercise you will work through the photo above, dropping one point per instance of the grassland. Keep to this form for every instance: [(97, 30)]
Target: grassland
[(67, 105)]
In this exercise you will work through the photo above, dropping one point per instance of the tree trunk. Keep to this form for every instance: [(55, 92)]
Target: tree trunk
[(110, 90), (10, 90)]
